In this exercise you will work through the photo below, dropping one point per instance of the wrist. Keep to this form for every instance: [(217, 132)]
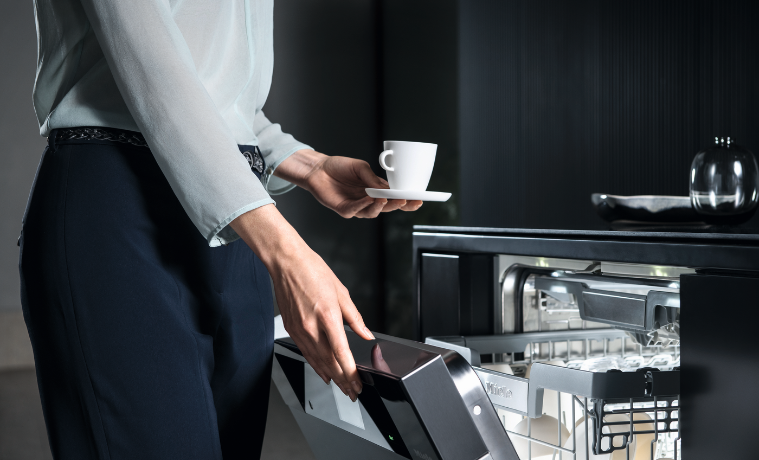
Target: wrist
[(299, 167), (270, 236)]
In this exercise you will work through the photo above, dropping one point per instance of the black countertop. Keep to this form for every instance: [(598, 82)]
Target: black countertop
[(680, 233), (709, 250)]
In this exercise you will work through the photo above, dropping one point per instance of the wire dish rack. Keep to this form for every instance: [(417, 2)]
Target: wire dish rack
[(591, 394)]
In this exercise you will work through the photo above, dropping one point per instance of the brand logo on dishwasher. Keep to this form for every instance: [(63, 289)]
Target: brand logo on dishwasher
[(497, 390), (422, 455)]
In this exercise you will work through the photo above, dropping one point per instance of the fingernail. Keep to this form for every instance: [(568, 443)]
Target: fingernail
[(366, 329), (356, 386), (352, 395)]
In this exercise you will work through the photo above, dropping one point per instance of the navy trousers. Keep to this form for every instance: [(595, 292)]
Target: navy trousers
[(148, 344)]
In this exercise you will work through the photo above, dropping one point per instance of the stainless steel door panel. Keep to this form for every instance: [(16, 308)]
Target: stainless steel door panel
[(333, 407)]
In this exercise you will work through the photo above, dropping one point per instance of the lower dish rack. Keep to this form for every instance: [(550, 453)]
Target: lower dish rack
[(558, 410)]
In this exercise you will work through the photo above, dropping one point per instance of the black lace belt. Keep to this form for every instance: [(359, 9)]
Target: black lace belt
[(250, 152)]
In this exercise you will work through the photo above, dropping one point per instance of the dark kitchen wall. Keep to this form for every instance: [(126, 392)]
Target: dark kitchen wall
[(349, 74), (324, 92), (419, 103), (20, 138), (562, 99)]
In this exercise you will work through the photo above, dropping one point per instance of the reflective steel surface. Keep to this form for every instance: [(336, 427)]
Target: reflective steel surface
[(418, 402)]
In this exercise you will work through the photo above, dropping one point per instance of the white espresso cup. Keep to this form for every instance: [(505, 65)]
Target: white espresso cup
[(408, 164)]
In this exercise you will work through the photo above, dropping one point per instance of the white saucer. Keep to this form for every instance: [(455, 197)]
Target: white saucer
[(391, 194)]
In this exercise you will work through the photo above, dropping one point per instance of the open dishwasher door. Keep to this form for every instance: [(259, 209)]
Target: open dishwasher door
[(418, 402)]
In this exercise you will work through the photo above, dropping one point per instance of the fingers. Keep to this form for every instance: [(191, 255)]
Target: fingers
[(393, 205), (304, 338), (316, 348), (412, 205), (366, 208), (373, 210), (353, 317), (369, 208), (357, 208), (328, 361), (312, 356), (342, 353)]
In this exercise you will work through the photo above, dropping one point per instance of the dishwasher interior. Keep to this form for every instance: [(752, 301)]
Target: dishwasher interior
[(585, 359), (552, 344)]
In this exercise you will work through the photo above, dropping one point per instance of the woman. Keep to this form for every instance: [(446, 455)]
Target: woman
[(151, 321)]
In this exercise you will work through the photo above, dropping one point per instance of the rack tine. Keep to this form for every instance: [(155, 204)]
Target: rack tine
[(529, 435), (587, 447), (632, 429), (656, 427), (574, 432), (677, 439), (558, 425), (587, 346)]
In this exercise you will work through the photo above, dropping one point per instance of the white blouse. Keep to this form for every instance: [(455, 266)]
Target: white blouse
[(190, 75)]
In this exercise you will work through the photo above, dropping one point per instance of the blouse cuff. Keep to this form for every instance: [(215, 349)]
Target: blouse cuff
[(275, 185)]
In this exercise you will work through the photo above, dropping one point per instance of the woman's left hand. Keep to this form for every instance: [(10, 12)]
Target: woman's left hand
[(339, 183)]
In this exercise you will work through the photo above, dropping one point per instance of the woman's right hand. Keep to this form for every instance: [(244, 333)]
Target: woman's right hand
[(312, 301)]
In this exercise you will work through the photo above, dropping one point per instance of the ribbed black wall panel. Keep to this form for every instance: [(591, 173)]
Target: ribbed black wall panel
[(562, 99)]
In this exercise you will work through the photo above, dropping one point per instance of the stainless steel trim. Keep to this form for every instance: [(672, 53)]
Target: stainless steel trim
[(446, 256), (505, 390), (471, 356), (516, 343)]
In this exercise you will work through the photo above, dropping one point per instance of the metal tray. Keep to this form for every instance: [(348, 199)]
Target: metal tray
[(645, 208)]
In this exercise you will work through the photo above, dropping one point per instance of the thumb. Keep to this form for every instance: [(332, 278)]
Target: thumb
[(353, 317), (367, 176)]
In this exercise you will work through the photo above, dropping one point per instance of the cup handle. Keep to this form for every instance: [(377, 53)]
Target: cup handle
[(384, 165)]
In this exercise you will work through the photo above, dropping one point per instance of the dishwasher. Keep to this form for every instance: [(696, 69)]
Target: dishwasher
[(552, 344)]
